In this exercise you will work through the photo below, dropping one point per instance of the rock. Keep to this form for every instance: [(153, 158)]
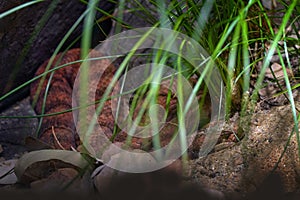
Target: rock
[(14, 129), (7, 176)]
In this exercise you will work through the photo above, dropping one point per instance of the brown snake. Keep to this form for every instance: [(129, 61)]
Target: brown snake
[(59, 130)]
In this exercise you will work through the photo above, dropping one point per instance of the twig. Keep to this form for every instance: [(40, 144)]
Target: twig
[(54, 135)]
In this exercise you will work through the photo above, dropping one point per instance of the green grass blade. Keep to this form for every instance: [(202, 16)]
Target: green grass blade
[(24, 5)]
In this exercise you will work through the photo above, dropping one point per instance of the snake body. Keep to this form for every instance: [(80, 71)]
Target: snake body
[(55, 96)]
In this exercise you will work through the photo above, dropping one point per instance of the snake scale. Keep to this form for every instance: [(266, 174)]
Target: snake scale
[(59, 130)]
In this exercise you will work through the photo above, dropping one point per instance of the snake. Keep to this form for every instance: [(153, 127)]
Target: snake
[(51, 97)]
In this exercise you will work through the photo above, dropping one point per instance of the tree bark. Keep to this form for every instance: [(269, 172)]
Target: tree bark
[(29, 37)]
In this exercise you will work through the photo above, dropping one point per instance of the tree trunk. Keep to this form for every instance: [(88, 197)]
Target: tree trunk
[(29, 37)]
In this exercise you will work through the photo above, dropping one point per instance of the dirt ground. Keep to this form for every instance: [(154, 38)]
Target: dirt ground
[(244, 166), (232, 169)]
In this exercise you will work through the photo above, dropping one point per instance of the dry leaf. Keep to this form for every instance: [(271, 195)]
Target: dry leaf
[(41, 164), (277, 70)]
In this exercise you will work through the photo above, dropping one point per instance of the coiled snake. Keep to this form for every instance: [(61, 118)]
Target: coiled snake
[(59, 130)]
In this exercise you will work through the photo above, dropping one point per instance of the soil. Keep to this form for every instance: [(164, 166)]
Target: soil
[(243, 167), (232, 169)]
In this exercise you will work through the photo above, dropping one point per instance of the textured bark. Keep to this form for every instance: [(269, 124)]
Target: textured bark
[(28, 38)]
